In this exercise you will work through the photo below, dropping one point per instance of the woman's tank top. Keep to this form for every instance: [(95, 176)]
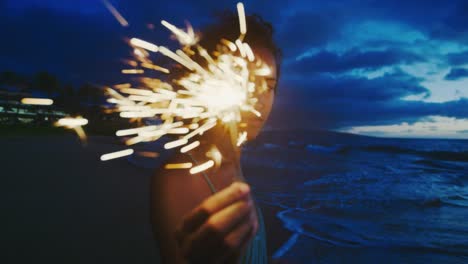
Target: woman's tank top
[(256, 251)]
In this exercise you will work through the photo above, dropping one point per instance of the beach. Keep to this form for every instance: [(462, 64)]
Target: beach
[(61, 204)]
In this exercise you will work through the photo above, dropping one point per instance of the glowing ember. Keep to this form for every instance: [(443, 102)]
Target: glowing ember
[(176, 166), (148, 154)]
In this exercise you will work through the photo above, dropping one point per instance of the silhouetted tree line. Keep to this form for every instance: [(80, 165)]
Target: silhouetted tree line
[(72, 99)]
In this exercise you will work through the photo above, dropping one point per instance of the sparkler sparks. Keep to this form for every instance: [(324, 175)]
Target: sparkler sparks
[(116, 155), (190, 147), (75, 124), (185, 38), (115, 13), (216, 93), (175, 166), (242, 22), (242, 138), (144, 44), (202, 167)]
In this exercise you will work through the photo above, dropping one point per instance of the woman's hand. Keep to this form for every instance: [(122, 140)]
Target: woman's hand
[(218, 230)]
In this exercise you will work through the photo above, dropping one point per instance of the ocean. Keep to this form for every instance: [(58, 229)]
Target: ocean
[(357, 199)]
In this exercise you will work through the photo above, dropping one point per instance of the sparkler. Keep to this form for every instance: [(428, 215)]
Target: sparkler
[(216, 93)]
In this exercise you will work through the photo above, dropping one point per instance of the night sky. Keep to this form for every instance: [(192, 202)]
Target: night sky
[(385, 68)]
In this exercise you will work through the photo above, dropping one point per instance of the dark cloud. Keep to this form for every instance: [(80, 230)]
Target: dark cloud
[(458, 58), (305, 30), (326, 61), (456, 74), (333, 102), (453, 25), (334, 113)]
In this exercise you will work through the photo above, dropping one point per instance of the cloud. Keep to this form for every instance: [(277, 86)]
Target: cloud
[(326, 101), (326, 61), (306, 29), (453, 25), (456, 74), (432, 126), (457, 58)]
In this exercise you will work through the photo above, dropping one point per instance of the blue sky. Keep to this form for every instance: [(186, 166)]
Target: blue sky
[(384, 68)]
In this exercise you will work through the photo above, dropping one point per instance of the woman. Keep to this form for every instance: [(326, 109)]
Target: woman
[(190, 223)]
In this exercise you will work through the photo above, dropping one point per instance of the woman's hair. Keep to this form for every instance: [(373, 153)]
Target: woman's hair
[(259, 34)]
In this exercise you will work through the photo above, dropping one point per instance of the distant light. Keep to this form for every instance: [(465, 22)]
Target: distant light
[(37, 101), (72, 122)]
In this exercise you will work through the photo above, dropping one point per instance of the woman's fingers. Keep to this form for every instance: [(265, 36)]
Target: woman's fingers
[(210, 240), (201, 236), (236, 241), (213, 204), (227, 219)]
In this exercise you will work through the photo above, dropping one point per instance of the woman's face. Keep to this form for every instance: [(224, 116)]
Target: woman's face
[(265, 99)]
